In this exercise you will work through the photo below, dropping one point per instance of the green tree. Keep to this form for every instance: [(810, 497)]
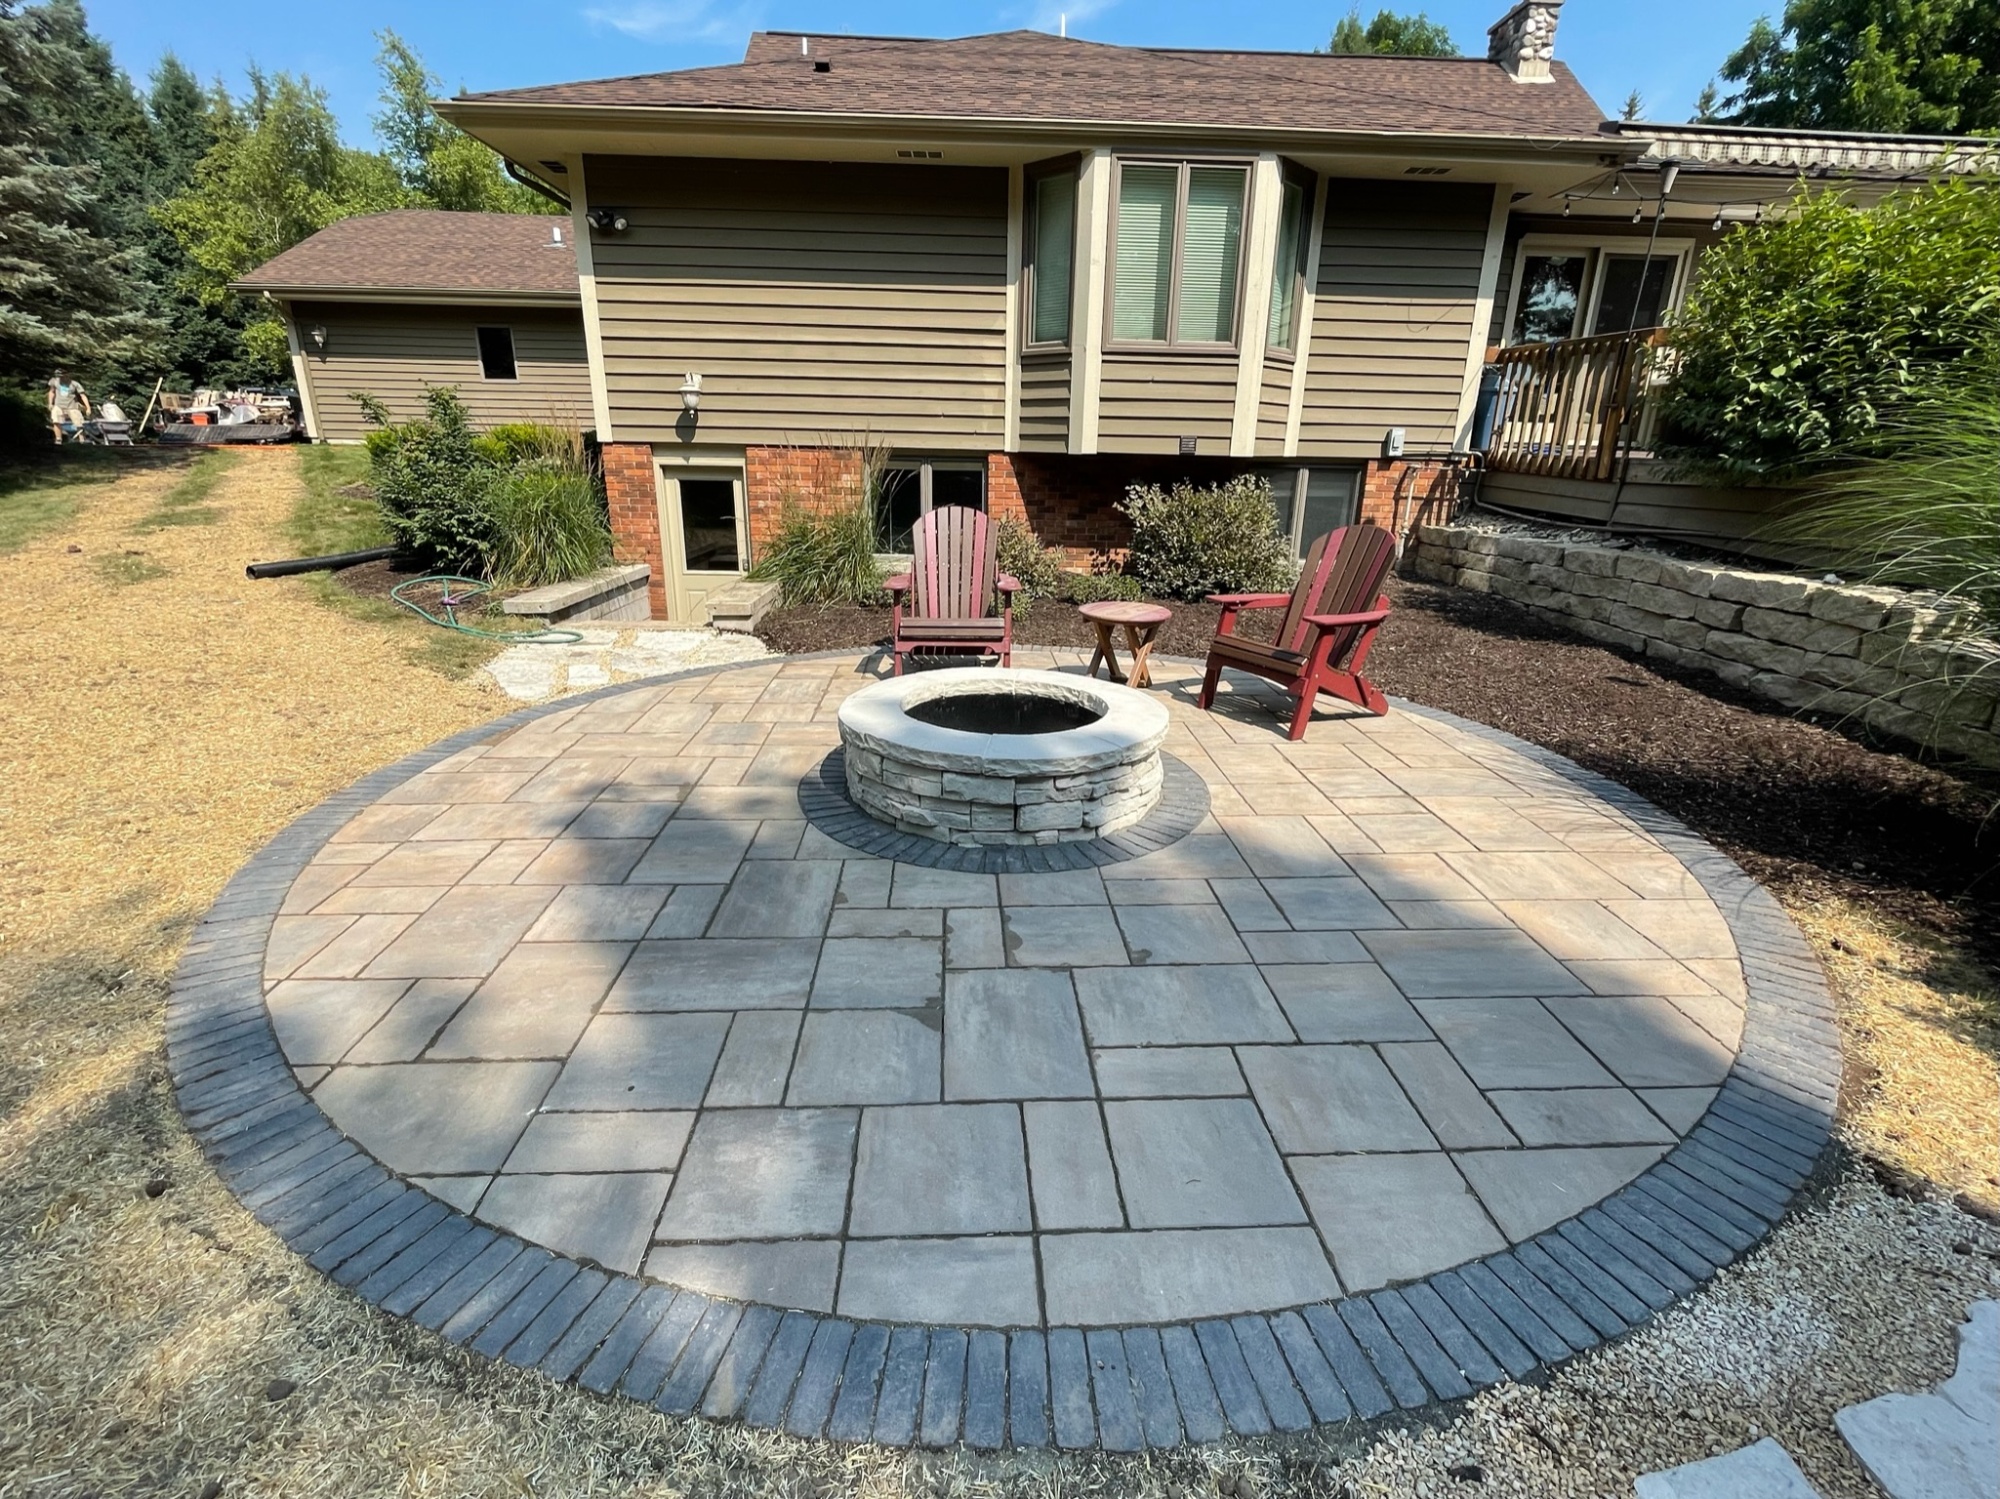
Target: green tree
[(1402, 36), (66, 287), (1926, 66), (437, 161), (1634, 106), (277, 173)]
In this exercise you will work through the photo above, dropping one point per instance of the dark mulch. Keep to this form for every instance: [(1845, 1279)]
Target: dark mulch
[(1803, 807)]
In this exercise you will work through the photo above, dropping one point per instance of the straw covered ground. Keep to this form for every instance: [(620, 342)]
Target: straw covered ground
[(165, 716)]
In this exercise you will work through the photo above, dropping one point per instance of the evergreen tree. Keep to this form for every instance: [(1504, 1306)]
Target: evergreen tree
[(1924, 66), (1634, 106), (1403, 36), (67, 293), (437, 161)]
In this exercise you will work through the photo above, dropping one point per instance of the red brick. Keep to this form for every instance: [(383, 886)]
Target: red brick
[(634, 498)]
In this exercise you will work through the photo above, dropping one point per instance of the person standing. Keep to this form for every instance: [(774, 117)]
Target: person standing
[(69, 403)]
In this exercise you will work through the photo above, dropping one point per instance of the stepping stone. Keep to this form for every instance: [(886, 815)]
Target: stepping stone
[(1763, 1470), (1944, 1445)]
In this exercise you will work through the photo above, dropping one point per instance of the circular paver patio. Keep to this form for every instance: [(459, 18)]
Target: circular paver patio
[(1419, 1061)]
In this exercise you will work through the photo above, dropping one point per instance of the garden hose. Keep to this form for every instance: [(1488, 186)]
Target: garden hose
[(455, 592)]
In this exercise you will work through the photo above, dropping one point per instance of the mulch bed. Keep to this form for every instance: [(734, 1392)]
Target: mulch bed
[(1804, 808)]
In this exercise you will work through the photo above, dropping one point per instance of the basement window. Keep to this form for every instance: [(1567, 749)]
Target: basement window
[(912, 488), (496, 354)]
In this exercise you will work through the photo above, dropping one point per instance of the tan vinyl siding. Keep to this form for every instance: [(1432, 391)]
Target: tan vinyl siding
[(1274, 404), (816, 301), (1045, 405), (393, 352), (1149, 402), (1397, 291)]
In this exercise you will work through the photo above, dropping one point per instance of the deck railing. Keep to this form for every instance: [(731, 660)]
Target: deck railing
[(1575, 407)]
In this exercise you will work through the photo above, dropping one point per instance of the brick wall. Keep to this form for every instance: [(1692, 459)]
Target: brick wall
[(635, 514), (775, 477)]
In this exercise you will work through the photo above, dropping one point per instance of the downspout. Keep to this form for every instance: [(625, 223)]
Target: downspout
[(535, 184)]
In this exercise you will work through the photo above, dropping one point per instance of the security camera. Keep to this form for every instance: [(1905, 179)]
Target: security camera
[(609, 219)]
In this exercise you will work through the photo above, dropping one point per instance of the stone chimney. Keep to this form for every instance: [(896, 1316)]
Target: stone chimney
[(1524, 40)]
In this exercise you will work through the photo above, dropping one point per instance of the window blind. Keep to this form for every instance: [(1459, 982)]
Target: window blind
[(1055, 233), (1145, 252), (1214, 230), (1285, 268)]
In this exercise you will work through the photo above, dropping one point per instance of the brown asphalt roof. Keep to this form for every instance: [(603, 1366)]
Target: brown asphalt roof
[(427, 250), (1029, 75)]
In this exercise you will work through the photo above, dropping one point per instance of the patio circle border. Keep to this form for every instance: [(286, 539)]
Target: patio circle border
[(1513, 1314), (1182, 805)]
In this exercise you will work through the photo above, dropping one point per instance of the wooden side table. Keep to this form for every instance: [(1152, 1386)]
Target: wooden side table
[(1141, 621)]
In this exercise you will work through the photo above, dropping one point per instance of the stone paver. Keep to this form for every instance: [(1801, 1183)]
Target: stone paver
[(1763, 1470), (1406, 1000)]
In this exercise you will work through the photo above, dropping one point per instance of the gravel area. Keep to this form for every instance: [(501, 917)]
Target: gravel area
[(155, 1340)]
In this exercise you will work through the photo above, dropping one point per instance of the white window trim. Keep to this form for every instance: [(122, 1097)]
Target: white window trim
[(1679, 251)]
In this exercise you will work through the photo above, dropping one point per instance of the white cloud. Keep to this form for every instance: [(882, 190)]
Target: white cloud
[(672, 20)]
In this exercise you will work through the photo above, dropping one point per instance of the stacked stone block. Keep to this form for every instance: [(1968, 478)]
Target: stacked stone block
[(1002, 810), (1901, 663)]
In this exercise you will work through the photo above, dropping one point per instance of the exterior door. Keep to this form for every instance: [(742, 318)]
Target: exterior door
[(706, 537)]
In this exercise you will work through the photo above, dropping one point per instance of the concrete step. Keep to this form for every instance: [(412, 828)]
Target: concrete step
[(1945, 1445)]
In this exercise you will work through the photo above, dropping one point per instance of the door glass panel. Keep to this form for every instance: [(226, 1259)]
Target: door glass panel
[(1635, 292), (1551, 288), (1055, 231), (1145, 252), (958, 486), (1329, 503), (708, 525), (1207, 312), (897, 505)]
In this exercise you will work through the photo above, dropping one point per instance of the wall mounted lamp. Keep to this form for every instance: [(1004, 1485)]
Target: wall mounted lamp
[(317, 333), (691, 393), (607, 219)]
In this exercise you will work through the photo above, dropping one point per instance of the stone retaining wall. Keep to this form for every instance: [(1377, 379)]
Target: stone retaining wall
[(1002, 810), (1886, 658)]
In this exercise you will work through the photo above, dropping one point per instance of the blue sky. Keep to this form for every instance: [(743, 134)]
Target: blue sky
[(1614, 45)]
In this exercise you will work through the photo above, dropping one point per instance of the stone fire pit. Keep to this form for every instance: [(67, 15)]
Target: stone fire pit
[(992, 758)]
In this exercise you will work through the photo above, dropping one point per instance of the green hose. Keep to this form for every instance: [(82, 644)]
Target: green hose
[(469, 589)]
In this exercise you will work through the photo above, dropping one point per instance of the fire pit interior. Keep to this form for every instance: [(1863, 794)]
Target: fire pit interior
[(983, 757), (1003, 712)]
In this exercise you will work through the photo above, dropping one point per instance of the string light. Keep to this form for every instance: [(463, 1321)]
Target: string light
[(1638, 212), (1566, 205), (1718, 220)]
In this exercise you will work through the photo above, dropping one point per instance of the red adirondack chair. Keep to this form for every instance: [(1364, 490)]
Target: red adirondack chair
[(959, 600), (1324, 638)]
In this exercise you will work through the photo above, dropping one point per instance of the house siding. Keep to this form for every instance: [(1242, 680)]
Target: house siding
[(1045, 384), (1274, 405), (1149, 402), (395, 352), (816, 301), (1396, 296)]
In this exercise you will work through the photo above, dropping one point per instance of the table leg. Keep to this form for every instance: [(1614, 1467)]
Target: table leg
[(1105, 651), (1141, 647)]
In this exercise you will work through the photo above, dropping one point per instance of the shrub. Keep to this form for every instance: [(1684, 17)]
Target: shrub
[(1219, 538), (1093, 588), (549, 522), (1805, 334), (432, 482), (518, 442), (1020, 552)]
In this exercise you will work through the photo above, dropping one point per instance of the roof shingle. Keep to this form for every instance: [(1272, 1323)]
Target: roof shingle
[(428, 250), (1031, 76)]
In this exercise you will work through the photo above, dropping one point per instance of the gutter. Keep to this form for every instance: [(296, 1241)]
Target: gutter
[(468, 297), (535, 184)]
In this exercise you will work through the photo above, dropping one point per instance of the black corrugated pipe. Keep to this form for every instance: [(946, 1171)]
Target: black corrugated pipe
[(293, 565)]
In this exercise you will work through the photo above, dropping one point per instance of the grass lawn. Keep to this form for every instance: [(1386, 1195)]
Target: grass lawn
[(39, 494)]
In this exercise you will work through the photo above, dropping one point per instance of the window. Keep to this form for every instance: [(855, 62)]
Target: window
[(1313, 501), (1575, 288), (912, 489), (1288, 268), (1051, 248), (1550, 294), (1176, 253), (496, 353)]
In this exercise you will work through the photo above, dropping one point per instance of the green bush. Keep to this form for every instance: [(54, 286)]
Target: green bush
[(1094, 588), (432, 482), (549, 523), (1219, 538), (1019, 551), (518, 442), (1806, 334)]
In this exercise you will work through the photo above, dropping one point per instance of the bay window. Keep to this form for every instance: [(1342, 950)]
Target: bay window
[(1051, 248), (1288, 266), (1177, 248)]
